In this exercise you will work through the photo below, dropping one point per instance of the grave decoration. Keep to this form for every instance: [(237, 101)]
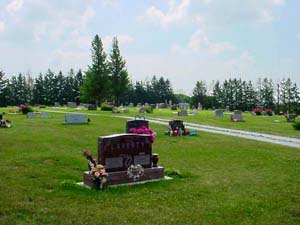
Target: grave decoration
[(176, 128), (143, 130), (290, 118), (96, 171), (266, 112), (4, 123), (71, 118), (136, 123), (127, 158), (237, 118), (24, 108)]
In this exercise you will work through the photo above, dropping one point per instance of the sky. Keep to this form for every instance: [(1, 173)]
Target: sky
[(183, 40)]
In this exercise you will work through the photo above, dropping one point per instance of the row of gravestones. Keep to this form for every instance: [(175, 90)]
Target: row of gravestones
[(32, 115), (74, 105)]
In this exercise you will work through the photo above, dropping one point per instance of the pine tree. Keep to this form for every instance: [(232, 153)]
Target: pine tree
[(119, 74), (3, 89), (39, 93), (97, 85), (199, 93), (267, 93)]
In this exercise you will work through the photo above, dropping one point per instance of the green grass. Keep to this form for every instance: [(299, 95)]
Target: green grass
[(226, 180), (263, 124)]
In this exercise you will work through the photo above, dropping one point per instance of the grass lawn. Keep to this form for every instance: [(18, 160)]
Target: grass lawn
[(263, 124), (227, 180)]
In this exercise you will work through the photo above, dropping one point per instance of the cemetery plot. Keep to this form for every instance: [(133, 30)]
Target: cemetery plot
[(136, 123), (237, 118), (75, 119), (176, 128), (127, 158)]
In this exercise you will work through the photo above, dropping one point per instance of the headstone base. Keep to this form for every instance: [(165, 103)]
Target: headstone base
[(121, 177)]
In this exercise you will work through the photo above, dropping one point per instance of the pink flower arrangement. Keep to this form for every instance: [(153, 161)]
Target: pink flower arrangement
[(99, 172), (22, 106), (143, 130)]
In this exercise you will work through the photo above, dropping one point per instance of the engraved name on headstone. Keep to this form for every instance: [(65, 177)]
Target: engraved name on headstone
[(118, 152)]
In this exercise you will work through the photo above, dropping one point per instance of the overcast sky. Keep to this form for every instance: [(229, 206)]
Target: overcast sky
[(183, 40)]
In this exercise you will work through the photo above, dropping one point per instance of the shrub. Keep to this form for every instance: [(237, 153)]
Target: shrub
[(149, 109), (26, 108), (106, 107), (296, 125), (172, 172), (257, 110), (42, 106)]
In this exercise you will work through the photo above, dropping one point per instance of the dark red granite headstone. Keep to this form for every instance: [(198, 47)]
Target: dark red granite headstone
[(118, 152)]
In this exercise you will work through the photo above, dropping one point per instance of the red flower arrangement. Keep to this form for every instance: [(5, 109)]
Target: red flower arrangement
[(143, 130)]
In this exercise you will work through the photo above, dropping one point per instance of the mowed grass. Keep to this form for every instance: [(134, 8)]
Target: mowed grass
[(263, 124), (227, 180)]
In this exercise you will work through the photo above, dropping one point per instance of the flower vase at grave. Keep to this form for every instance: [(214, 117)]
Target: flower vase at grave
[(97, 183), (154, 160)]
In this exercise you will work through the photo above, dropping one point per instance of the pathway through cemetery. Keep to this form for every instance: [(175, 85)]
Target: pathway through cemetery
[(275, 139)]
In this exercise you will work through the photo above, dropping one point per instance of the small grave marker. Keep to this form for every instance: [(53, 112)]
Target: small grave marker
[(75, 119), (290, 118), (44, 115), (30, 115), (142, 110), (237, 112), (237, 118), (136, 123), (182, 113), (219, 113)]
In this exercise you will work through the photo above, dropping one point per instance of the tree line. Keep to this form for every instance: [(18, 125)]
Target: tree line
[(283, 96), (107, 80)]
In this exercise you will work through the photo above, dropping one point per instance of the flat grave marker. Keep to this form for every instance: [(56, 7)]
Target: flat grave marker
[(30, 115), (44, 115), (75, 119)]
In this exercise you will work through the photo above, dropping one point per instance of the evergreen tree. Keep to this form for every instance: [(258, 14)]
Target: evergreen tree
[(267, 94), (97, 85), (199, 94), (3, 89), (218, 94), (39, 93), (119, 74)]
